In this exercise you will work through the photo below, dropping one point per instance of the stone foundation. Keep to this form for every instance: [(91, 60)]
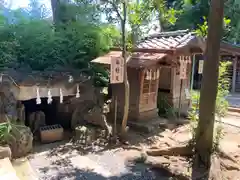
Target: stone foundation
[(148, 115), (5, 152)]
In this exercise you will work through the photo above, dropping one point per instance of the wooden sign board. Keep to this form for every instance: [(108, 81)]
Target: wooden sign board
[(117, 70), (200, 66), (184, 61)]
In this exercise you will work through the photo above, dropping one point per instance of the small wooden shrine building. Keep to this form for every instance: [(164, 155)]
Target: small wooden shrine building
[(155, 73), (154, 67)]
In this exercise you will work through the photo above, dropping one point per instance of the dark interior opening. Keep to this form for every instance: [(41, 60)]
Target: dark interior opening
[(50, 110), (164, 90)]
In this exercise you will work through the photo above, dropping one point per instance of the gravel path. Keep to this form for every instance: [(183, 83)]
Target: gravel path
[(109, 165)]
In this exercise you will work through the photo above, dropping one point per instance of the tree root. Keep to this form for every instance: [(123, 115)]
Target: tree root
[(215, 170), (132, 148), (219, 162), (224, 155), (173, 151)]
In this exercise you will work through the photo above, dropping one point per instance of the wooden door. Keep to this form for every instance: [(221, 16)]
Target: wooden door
[(149, 89)]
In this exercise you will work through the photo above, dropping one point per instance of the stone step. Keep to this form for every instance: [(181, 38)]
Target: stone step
[(24, 170), (6, 170)]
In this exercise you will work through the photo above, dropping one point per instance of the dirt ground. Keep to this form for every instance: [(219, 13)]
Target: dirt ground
[(66, 160)]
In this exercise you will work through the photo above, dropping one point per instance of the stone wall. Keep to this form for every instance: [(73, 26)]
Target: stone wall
[(73, 110), (8, 103)]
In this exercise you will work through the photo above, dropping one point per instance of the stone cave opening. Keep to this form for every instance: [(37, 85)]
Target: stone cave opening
[(49, 110)]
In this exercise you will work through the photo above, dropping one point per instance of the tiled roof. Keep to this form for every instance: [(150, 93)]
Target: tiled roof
[(137, 59), (165, 40), (106, 59)]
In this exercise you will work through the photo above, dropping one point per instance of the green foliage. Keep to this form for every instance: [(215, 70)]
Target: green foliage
[(36, 44), (165, 109), (221, 104), (165, 13), (202, 29), (5, 130), (40, 47), (223, 89)]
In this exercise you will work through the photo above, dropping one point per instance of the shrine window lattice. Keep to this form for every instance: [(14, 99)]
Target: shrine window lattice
[(149, 89)]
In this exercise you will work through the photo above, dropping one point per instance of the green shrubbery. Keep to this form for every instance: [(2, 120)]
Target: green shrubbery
[(221, 103)]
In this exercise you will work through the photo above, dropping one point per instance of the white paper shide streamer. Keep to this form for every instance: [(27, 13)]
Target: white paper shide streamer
[(147, 75), (78, 92), (38, 100), (49, 97), (158, 74), (61, 95)]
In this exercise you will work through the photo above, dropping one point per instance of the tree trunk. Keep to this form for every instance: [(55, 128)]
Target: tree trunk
[(126, 84), (160, 21), (61, 12), (204, 134), (55, 10)]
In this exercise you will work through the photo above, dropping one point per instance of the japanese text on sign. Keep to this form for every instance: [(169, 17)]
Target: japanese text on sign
[(117, 72), (184, 61)]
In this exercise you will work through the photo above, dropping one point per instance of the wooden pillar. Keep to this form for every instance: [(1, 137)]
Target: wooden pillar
[(234, 75)]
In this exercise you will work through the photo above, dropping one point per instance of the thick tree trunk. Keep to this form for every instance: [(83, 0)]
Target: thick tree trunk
[(126, 83), (204, 134), (61, 12), (55, 10)]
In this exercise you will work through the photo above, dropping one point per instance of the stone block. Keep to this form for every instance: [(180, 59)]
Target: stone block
[(51, 133), (5, 152), (86, 135)]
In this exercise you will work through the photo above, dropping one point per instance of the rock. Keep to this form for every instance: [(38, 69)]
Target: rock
[(85, 135), (77, 118), (5, 152), (96, 117), (171, 126), (21, 113), (21, 143), (8, 101), (36, 120)]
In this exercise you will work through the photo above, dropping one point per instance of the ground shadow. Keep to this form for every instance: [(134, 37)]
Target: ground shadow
[(136, 171), (68, 144)]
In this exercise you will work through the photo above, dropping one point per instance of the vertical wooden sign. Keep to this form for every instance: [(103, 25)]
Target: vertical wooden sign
[(200, 66), (117, 70), (184, 61)]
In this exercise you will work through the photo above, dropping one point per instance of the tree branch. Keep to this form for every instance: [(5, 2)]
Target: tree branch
[(114, 6)]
